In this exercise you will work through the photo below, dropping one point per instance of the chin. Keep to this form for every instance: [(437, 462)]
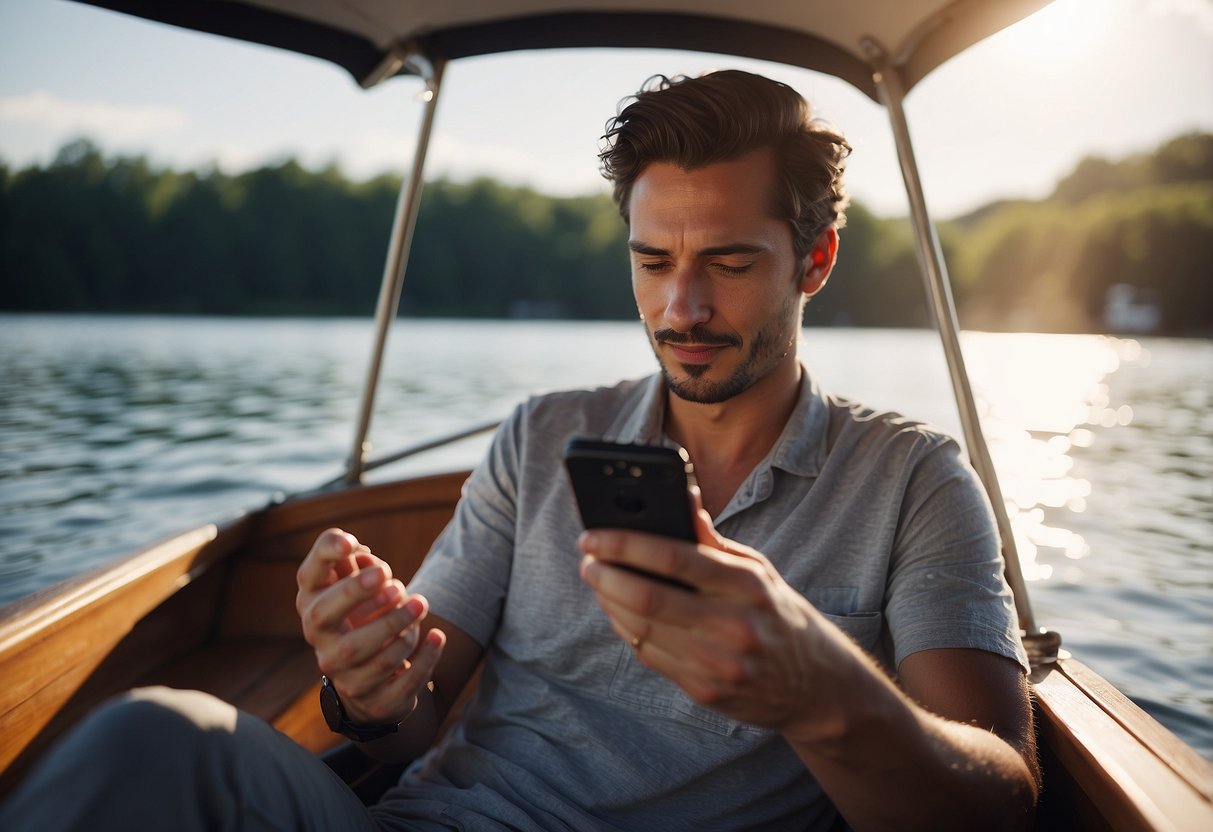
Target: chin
[(693, 387)]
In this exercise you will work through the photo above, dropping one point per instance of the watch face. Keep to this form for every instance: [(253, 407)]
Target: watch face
[(330, 706)]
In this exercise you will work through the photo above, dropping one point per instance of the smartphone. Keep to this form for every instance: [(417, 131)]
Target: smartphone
[(637, 487)]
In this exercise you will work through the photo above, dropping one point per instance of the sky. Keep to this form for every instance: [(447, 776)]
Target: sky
[(1006, 119)]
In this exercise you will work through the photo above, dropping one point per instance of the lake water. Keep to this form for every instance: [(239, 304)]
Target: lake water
[(116, 431)]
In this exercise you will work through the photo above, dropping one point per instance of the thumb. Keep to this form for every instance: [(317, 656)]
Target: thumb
[(705, 532), (708, 536)]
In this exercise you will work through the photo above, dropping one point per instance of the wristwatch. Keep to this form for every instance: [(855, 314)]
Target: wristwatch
[(334, 715)]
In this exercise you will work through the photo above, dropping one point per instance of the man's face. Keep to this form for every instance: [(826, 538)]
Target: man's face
[(716, 280)]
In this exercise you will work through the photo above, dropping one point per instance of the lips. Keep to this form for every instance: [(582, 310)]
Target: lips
[(693, 353), (695, 348)]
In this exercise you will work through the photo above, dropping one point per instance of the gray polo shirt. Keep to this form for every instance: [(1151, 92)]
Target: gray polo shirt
[(875, 519)]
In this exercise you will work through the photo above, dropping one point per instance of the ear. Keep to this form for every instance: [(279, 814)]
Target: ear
[(820, 262)]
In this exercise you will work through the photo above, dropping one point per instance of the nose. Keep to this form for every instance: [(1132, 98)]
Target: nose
[(688, 299)]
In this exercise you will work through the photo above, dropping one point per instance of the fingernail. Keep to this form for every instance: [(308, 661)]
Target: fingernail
[(390, 594), (415, 607), (370, 578)]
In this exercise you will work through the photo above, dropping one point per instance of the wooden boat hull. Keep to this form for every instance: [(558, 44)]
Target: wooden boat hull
[(213, 609)]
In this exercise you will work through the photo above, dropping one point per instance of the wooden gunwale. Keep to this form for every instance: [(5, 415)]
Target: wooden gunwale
[(1108, 763)]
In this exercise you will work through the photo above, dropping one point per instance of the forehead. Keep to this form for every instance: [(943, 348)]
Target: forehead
[(737, 192)]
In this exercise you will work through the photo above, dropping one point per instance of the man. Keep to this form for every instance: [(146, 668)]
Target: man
[(831, 539)]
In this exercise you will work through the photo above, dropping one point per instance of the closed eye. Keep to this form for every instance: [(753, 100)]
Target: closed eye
[(653, 267)]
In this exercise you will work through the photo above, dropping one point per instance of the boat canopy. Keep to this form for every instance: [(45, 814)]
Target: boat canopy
[(370, 38)]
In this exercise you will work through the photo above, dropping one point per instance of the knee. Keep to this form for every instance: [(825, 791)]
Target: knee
[(169, 742), (147, 725)]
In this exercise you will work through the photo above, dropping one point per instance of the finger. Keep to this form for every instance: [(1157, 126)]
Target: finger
[(710, 638), (363, 557), (656, 554), (330, 609), (705, 532), (391, 596), (659, 648), (402, 689), (330, 559), (641, 594), (707, 568), (392, 698), (703, 627), (387, 599), (377, 649)]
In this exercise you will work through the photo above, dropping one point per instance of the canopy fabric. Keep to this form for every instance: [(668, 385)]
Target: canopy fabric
[(363, 35)]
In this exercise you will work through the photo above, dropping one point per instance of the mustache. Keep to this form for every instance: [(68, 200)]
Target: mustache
[(698, 335)]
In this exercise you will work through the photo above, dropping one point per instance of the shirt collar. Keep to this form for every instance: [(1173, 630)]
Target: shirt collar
[(802, 446), (642, 419), (800, 449)]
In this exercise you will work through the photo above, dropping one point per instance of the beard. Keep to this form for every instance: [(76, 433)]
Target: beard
[(768, 348)]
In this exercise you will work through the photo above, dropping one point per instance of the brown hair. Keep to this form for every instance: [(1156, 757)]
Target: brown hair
[(693, 122)]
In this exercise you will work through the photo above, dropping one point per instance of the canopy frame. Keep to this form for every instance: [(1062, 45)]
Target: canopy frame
[(1042, 646), (408, 206)]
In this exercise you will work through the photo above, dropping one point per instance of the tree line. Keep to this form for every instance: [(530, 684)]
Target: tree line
[(97, 234)]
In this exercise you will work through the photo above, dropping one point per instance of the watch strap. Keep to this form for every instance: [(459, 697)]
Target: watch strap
[(339, 723)]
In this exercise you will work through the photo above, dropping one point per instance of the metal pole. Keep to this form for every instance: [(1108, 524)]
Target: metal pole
[(405, 222), (930, 260)]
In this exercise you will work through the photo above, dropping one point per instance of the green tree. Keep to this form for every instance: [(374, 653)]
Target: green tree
[(95, 234)]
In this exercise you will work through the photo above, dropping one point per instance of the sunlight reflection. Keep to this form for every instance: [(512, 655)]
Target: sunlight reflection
[(1038, 403)]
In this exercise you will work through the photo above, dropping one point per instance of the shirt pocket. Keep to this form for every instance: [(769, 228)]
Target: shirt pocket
[(648, 692), (837, 603)]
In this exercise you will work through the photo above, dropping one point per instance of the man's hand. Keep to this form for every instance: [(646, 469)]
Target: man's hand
[(745, 643), (366, 630)]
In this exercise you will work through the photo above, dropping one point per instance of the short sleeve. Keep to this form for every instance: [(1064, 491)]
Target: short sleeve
[(946, 584), (466, 575)]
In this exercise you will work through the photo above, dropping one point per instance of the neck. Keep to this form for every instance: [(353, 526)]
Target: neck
[(727, 440)]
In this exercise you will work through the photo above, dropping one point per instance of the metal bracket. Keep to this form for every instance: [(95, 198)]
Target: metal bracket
[(1043, 648), (407, 56)]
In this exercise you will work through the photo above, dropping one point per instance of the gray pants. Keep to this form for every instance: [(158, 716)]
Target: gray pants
[(181, 760)]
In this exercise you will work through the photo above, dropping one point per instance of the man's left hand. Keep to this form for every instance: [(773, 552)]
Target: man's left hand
[(742, 642)]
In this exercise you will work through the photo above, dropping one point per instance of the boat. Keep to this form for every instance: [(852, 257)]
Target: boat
[(212, 608)]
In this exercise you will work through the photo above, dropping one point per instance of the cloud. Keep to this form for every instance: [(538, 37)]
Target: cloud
[(461, 159), (98, 119)]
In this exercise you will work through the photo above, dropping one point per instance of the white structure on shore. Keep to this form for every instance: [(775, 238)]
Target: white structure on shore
[(1130, 309)]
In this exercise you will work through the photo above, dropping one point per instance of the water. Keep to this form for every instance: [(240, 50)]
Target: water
[(116, 431)]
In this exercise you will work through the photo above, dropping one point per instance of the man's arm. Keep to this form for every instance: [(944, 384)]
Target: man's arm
[(954, 750), (749, 645)]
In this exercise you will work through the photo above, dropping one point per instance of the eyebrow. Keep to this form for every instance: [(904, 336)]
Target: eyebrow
[(640, 247)]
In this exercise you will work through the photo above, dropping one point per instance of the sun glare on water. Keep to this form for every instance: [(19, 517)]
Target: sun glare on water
[(1037, 409)]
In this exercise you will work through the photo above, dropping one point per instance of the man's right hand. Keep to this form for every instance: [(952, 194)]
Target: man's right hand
[(366, 630)]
